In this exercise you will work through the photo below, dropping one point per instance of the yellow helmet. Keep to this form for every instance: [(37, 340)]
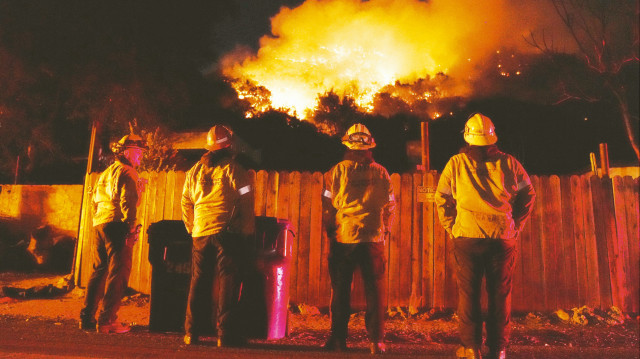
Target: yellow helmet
[(219, 137), (480, 131), (358, 137), (128, 141)]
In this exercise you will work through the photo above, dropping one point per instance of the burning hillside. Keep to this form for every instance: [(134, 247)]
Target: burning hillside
[(417, 52)]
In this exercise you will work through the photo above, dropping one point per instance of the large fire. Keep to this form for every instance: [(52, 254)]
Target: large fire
[(359, 48)]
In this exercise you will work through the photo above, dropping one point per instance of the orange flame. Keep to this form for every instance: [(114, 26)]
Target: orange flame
[(357, 48)]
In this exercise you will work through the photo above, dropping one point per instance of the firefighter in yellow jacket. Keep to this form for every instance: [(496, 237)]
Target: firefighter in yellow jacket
[(358, 205), (484, 197), (217, 209), (115, 198)]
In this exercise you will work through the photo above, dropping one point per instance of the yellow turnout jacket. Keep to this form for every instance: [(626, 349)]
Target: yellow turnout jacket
[(217, 196), (358, 200), (484, 199), (115, 195)]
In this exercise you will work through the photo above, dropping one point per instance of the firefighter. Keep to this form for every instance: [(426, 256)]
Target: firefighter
[(217, 209), (358, 205), (484, 197), (115, 198)]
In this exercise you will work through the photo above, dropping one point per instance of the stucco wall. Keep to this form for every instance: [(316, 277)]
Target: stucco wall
[(25, 207)]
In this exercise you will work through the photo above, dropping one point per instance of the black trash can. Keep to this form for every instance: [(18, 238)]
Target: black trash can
[(265, 289), (170, 257)]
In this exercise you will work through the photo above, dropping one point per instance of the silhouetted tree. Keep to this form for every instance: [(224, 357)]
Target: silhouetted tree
[(606, 34), (335, 114)]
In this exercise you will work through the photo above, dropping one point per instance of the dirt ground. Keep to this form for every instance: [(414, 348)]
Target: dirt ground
[(308, 326)]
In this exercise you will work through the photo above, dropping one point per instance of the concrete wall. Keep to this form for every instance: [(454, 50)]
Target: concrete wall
[(25, 207)]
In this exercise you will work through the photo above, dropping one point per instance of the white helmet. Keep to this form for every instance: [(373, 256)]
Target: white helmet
[(480, 131), (358, 137)]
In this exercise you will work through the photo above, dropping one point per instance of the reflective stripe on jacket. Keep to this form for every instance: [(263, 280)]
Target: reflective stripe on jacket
[(489, 199), (213, 194), (115, 195), (362, 196)]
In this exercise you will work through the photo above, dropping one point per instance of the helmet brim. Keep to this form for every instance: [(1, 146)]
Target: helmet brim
[(480, 140), (217, 146), (358, 145)]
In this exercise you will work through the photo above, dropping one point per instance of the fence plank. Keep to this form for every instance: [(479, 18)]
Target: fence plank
[(284, 187), (84, 262), (523, 284), (632, 188), (536, 271), (171, 199), (450, 285), (394, 245), (145, 215), (600, 214), (622, 243), (405, 211), (569, 280), (578, 236), (158, 199), (315, 238), (306, 185), (415, 300), (271, 195), (180, 177), (325, 279), (387, 253), (439, 265), (142, 215), (616, 273), (429, 218), (591, 244), (294, 219), (142, 249), (261, 185), (553, 241), (516, 288), (525, 259), (252, 180)]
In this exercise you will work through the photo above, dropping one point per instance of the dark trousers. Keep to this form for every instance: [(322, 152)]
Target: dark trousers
[(495, 259), (223, 251), (111, 268), (343, 260)]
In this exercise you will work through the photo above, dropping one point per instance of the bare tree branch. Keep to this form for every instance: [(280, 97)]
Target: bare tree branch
[(606, 34)]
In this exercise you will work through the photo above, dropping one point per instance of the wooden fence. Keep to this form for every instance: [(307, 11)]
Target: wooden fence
[(580, 246)]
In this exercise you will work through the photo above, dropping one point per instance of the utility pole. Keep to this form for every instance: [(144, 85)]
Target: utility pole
[(424, 132)]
